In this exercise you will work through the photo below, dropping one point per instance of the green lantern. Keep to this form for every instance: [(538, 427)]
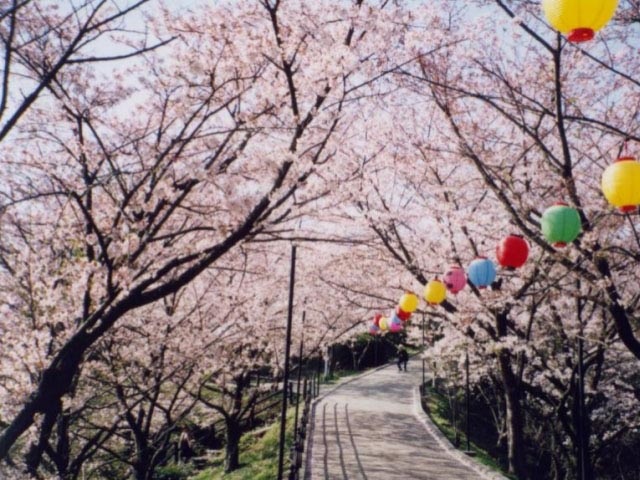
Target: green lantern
[(560, 224)]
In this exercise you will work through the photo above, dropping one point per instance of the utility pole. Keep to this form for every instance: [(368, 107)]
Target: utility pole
[(287, 352)]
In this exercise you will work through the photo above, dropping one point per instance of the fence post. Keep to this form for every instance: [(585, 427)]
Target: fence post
[(305, 392), (295, 423)]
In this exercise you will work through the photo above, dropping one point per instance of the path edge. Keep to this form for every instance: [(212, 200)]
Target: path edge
[(447, 446)]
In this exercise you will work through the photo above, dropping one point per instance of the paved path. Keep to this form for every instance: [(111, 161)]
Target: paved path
[(372, 428)]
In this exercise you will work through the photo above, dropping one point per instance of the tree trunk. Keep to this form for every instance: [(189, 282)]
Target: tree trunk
[(142, 466), (232, 452), (582, 427), (33, 457), (514, 416)]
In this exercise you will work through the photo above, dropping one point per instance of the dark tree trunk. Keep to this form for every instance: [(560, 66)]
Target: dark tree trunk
[(514, 416), (141, 470), (582, 427), (62, 448), (232, 453), (33, 457)]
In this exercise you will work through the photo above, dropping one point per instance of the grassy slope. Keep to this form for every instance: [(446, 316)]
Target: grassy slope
[(258, 455), (437, 405)]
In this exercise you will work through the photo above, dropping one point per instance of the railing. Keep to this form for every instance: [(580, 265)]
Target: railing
[(310, 390)]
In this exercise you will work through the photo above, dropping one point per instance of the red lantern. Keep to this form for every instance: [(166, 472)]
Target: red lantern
[(376, 319), (512, 251), (402, 315)]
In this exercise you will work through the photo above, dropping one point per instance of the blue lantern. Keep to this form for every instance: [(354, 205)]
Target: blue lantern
[(481, 272)]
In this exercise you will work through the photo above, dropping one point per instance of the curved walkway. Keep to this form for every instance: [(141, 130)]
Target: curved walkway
[(372, 427)]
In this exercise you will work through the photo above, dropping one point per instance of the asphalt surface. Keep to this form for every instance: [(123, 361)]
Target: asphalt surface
[(371, 427)]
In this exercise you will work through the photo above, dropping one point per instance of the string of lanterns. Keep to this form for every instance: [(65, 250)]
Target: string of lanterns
[(406, 306), (560, 223), (512, 252)]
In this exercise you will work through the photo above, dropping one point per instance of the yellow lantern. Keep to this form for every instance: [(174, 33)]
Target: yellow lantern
[(435, 292), (621, 184), (384, 324), (579, 19), (408, 302)]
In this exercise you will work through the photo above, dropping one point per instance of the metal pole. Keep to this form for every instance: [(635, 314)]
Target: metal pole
[(423, 371), (375, 351), (581, 449), (584, 465), (287, 351), (295, 424), (466, 365)]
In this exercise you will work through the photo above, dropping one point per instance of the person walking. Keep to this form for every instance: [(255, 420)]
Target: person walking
[(185, 452), (403, 358)]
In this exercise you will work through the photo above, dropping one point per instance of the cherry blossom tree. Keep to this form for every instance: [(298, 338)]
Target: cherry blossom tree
[(502, 124), (130, 187)]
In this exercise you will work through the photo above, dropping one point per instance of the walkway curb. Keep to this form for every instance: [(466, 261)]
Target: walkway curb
[(434, 431)]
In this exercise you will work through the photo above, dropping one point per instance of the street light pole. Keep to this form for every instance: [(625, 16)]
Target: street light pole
[(287, 352), (466, 366), (295, 424), (584, 466), (581, 429), (423, 372)]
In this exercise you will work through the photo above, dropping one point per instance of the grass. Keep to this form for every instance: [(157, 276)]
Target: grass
[(258, 455), (437, 407)]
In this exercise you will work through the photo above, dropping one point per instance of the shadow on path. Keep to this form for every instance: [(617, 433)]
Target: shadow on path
[(370, 429)]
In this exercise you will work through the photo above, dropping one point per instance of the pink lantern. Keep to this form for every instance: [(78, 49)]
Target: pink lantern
[(455, 279), (395, 327)]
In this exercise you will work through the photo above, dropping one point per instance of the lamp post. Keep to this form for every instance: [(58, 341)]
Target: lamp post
[(287, 352), (584, 465), (466, 367), (295, 424), (423, 372)]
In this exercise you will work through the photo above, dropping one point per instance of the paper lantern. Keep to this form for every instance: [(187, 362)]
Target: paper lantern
[(384, 324), (408, 302), (395, 325), (481, 272), (376, 319), (402, 315), (560, 224), (435, 292), (374, 329), (455, 279), (579, 19), (621, 184), (512, 251)]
